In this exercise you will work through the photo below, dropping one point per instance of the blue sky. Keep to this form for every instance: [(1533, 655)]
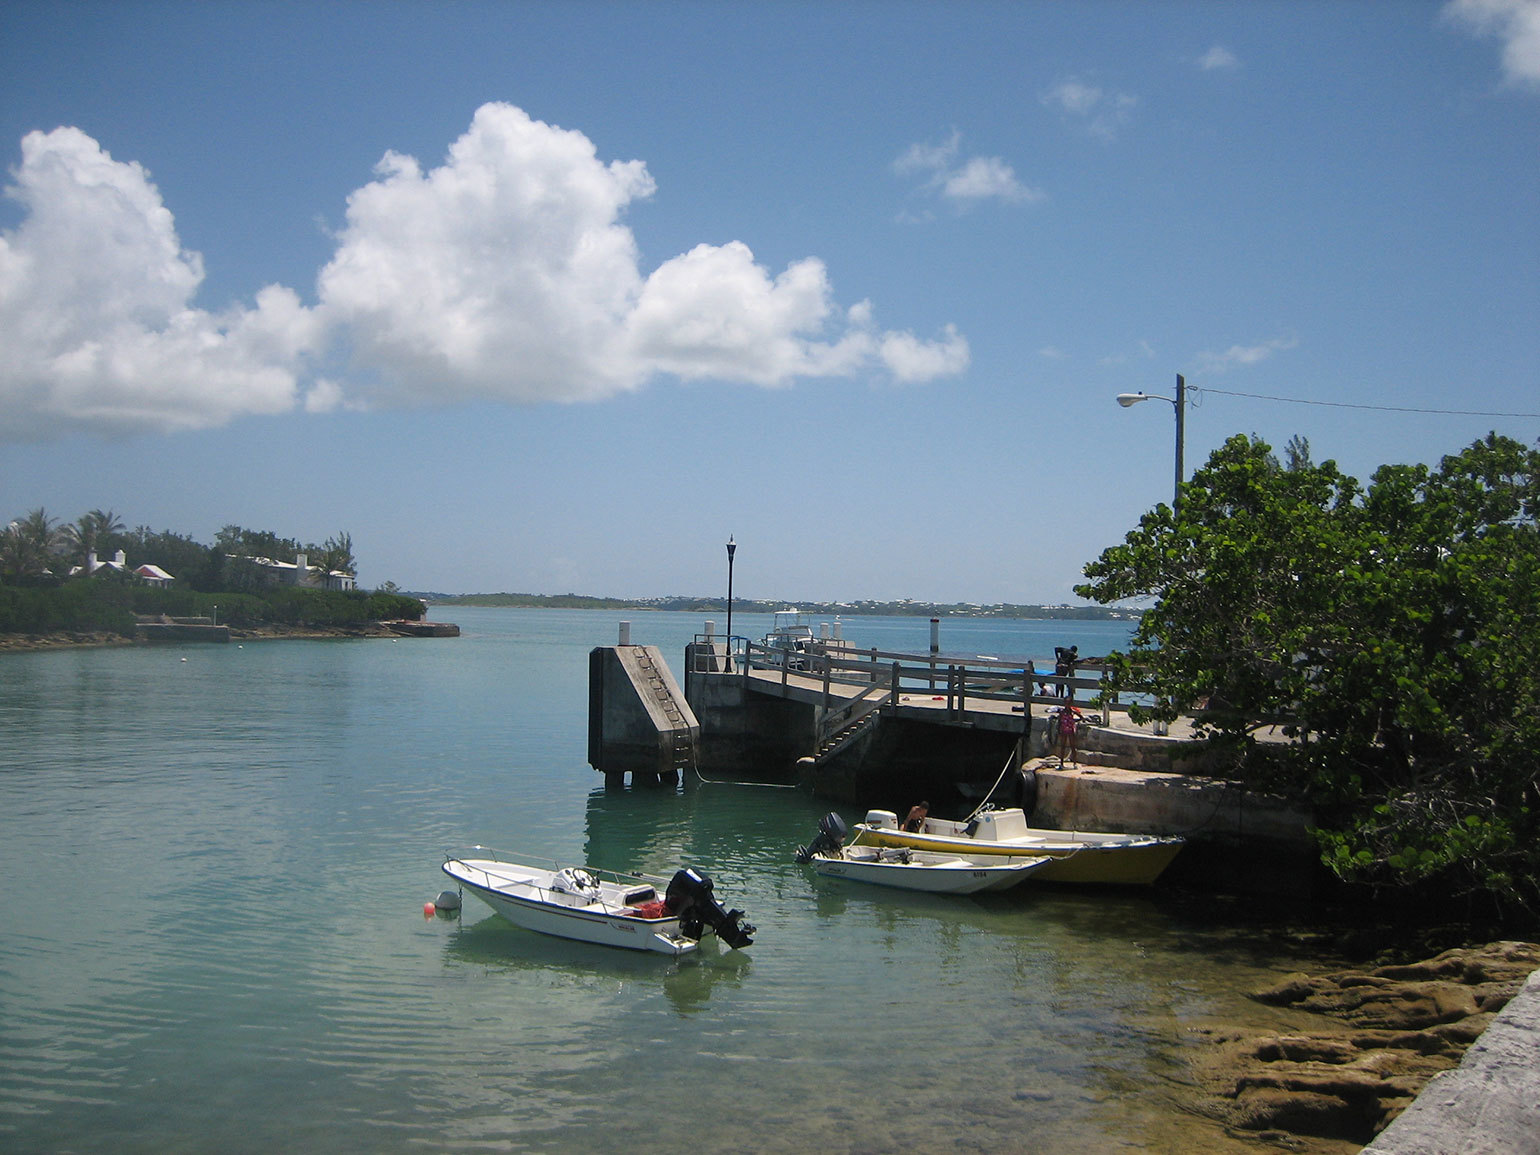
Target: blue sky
[(554, 297)]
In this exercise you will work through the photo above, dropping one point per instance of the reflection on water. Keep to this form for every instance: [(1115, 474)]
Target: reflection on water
[(486, 941), (219, 941)]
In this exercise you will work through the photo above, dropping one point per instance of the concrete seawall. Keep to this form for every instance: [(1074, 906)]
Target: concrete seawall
[(1490, 1103), (1256, 843), (181, 632)]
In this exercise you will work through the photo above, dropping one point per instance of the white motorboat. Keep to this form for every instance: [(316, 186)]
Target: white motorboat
[(789, 641), (1083, 856), (935, 872), (632, 911)]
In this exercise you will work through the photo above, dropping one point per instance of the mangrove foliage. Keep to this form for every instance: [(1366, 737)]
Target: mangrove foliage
[(1373, 652)]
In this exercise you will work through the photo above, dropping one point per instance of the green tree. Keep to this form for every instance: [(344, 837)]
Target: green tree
[(30, 547), (192, 564), (94, 532), (1393, 635), (335, 556), (232, 539)]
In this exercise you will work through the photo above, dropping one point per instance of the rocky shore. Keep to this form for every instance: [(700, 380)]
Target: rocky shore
[(1383, 1033), (20, 643)]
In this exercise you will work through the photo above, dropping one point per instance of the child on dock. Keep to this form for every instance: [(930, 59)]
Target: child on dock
[(1067, 732)]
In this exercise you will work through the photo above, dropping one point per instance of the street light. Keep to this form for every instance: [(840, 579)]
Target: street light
[(1179, 403), (732, 548)]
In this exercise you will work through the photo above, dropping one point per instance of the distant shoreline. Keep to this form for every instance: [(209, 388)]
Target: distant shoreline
[(906, 609), (70, 639)]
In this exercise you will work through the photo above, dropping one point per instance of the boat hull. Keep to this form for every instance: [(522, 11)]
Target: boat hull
[(1129, 861), (523, 896), (932, 873)]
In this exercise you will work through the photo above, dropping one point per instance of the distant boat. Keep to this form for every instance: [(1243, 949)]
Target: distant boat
[(935, 872), (790, 639), (589, 905), (1076, 855)]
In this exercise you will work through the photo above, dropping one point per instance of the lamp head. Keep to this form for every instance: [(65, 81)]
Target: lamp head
[(732, 547), (1127, 399)]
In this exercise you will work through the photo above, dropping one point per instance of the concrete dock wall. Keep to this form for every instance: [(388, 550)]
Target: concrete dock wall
[(1109, 798), (638, 719), (1237, 840), (1490, 1103), (744, 734), (181, 632)]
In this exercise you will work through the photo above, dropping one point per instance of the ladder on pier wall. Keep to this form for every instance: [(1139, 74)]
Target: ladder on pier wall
[(638, 719)]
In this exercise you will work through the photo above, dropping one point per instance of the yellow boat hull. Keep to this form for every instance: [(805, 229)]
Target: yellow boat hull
[(1135, 863)]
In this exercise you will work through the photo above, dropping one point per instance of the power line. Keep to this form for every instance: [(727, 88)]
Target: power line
[(1379, 408)]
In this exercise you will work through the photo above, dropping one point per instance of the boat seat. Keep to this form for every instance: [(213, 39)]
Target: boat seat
[(639, 895)]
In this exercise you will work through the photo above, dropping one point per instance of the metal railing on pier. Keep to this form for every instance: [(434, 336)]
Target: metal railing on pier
[(855, 680)]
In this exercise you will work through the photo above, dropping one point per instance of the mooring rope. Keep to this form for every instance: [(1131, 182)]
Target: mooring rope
[(979, 809)]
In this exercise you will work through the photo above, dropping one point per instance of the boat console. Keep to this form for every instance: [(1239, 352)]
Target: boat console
[(986, 825)]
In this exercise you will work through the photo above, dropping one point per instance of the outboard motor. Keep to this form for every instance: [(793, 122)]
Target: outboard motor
[(830, 839), (689, 899)]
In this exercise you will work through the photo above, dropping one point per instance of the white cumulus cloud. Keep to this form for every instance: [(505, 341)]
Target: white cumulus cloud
[(1218, 59), (910, 359), (1514, 22), (1102, 112), (1241, 356), (506, 273), (978, 178), (95, 309), (714, 312)]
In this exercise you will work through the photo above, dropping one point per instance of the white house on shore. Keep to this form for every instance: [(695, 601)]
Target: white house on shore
[(296, 573), (93, 564), (300, 573), (118, 563), (154, 575)]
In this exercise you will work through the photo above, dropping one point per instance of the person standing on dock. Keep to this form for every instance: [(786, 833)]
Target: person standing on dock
[(1067, 732), (1064, 667)]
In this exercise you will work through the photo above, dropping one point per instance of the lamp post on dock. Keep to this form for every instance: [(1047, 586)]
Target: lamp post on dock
[(732, 548), (1179, 403)]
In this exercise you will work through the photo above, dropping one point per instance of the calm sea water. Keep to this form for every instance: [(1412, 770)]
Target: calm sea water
[(216, 859)]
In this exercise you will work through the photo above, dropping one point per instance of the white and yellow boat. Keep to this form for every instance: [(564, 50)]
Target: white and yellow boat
[(1080, 856)]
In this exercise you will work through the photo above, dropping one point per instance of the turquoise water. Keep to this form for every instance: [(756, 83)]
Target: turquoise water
[(216, 859)]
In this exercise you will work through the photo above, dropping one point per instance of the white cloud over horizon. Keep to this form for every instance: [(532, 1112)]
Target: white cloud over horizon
[(95, 312), (505, 273)]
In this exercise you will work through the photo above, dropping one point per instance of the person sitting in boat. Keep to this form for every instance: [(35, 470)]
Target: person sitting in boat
[(916, 820)]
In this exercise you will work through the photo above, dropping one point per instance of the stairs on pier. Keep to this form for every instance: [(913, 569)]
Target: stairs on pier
[(850, 723)]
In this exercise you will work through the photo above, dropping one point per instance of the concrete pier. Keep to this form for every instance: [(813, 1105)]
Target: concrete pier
[(1258, 844), (638, 719), (1490, 1103), (181, 630)]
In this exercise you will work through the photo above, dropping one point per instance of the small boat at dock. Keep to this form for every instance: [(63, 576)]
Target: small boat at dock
[(1078, 856), (789, 641), (631, 911), (935, 872)]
